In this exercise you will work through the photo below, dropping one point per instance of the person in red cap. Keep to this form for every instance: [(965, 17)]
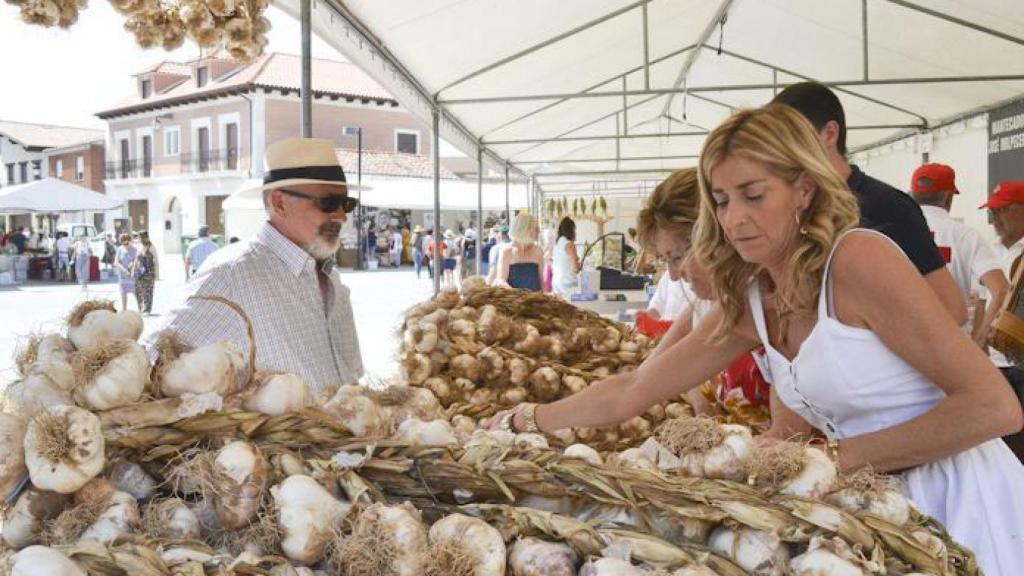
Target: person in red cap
[(1007, 206), (968, 257)]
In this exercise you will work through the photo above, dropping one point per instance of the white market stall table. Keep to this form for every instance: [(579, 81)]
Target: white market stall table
[(635, 300)]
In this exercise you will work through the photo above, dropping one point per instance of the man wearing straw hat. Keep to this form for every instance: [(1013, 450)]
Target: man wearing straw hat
[(284, 277)]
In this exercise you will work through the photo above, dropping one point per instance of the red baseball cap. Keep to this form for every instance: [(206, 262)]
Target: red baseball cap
[(1005, 193), (931, 178)]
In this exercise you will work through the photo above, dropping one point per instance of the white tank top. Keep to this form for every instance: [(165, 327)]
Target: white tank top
[(562, 276), (844, 380)]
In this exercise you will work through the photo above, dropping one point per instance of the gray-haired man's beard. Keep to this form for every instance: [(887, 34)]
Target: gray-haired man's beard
[(326, 242)]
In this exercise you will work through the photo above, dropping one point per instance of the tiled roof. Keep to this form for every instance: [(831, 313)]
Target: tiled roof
[(176, 68), (272, 70), (380, 163), (45, 136), (284, 71)]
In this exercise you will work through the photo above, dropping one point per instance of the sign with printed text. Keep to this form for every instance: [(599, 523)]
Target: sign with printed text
[(1006, 144)]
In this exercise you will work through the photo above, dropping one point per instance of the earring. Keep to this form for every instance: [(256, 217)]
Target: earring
[(801, 227)]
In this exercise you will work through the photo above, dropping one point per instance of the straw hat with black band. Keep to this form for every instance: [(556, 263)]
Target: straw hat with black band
[(300, 161)]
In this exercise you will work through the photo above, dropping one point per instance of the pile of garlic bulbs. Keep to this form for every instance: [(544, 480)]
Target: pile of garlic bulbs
[(195, 466), (491, 348)]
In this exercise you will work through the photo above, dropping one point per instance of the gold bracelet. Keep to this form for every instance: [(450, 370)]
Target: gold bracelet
[(530, 418), (832, 450)]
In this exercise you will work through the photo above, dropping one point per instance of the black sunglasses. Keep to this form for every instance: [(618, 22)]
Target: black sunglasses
[(327, 204)]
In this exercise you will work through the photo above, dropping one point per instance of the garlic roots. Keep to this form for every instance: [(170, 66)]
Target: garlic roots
[(63, 449), (88, 329)]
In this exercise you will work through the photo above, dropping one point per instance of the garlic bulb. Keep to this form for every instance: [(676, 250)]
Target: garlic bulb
[(359, 412), (110, 375), (49, 355), (12, 453), (100, 325), (545, 383), (584, 452), (526, 440), (634, 459), (34, 394), (473, 537), (611, 567), (131, 478), (211, 368), (792, 469), (280, 394), (240, 477), (464, 426), (883, 501), (24, 522), (395, 533), (491, 438), (403, 402), (171, 519), (418, 368), (815, 478), (434, 433), (43, 561), (63, 448), (752, 550), (533, 557), (832, 557), (120, 517), (307, 514), (708, 449), (726, 459)]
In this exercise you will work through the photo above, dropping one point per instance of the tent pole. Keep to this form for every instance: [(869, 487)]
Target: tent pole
[(306, 109), (436, 152), (508, 212), (479, 206)]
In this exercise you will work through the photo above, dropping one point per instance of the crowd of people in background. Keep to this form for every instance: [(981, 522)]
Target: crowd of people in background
[(132, 260)]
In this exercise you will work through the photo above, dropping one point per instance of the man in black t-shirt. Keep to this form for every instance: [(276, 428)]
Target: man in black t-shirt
[(882, 207)]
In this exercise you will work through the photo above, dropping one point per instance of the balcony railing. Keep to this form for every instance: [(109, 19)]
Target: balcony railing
[(221, 160), (211, 161)]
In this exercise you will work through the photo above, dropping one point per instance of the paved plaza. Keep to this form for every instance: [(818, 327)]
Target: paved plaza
[(378, 299)]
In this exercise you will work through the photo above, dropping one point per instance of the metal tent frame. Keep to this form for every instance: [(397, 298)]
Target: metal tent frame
[(540, 158)]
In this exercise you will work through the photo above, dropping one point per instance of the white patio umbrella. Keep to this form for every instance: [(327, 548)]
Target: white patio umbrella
[(53, 195)]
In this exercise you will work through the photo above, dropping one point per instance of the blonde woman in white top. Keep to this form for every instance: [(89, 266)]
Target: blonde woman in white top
[(884, 373)]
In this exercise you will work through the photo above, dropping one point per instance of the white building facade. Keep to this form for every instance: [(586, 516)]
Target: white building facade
[(178, 149)]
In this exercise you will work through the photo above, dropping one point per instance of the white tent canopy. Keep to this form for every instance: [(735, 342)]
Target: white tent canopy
[(585, 90), (415, 194), (53, 195)]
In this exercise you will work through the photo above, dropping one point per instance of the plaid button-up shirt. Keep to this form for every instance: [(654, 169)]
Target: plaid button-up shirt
[(275, 282)]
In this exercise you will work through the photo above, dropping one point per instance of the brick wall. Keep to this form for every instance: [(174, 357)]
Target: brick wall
[(93, 167), (378, 124)]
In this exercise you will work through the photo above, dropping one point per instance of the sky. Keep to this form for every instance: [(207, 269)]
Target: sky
[(63, 77)]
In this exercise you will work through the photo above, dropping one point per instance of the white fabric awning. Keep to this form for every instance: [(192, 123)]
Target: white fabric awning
[(416, 194), (627, 89), (54, 195)]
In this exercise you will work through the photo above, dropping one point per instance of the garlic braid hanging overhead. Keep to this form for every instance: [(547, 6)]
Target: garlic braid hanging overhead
[(237, 25)]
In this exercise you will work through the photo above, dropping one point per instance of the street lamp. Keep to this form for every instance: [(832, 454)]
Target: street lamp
[(357, 131)]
